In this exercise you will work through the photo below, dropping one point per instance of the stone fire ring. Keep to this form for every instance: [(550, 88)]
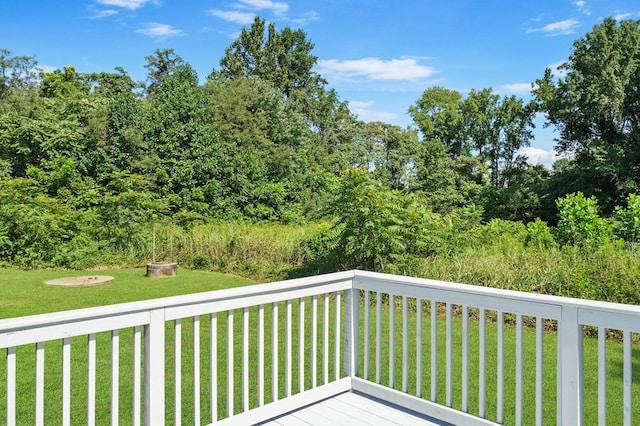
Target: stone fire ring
[(85, 280)]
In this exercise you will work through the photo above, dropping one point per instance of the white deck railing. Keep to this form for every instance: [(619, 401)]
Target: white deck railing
[(464, 354)]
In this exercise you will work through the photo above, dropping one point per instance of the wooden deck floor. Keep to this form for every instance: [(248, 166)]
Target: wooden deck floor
[(352, 408)]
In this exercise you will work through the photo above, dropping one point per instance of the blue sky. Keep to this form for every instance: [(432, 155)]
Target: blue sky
[(378, 55)]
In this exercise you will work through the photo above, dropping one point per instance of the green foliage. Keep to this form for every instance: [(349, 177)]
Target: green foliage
[(539, 235), (627, 220), (380, 229), (593, 105), (580, 224)]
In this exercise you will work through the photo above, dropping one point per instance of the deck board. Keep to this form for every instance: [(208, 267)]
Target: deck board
[(353, 408)]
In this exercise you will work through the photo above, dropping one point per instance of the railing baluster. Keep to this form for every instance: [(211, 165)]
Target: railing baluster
[(325, 340), (602, 376), (392, 340), (230, 365), (137, 375), (519, 369), (301, 345), (177, 371), (91, 379), (11, 386), (213, 366), (287, 365), (379, 337), (419, 314), (66, 381), (434, 351), (115, 375), (261, 377), (627, 376), (40, 383), (500, 368), (196, 370), (465, 359), (314, 341), (367, 328), (337, 338), (449, 355), (405, 344), (274, 352), (245, 359), (354, 326), (482, 383), (539, 370)]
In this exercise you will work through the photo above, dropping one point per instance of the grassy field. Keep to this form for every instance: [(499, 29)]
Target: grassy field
[(24, 293)]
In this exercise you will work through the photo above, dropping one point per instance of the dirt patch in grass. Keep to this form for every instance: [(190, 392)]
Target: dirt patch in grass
[(84, 280)]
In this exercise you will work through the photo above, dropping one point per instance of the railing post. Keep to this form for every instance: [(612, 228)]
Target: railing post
[(351, 331), (154, 342), (570, 340)]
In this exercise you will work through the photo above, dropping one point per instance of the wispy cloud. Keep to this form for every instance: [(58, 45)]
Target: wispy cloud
[(154, 29), (515, 89), (242, 18), (375, 69), (275, 6), (127, 4), (568, 26), (99, 14), (582, 7), (623, 16), (365, 113)]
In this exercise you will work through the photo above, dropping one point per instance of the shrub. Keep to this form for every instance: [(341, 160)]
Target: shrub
[(579, 222)]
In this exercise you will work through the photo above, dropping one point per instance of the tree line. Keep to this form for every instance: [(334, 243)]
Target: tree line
[(89, 160)]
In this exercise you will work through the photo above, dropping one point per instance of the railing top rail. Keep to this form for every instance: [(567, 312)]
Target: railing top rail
[(363, 276), (254, 291)]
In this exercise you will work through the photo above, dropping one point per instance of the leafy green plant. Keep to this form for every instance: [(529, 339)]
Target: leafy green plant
[(627, 219), (580, 223), (539, 235)]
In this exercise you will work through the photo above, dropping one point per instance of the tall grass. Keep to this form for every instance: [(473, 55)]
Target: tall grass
[(260, 251)]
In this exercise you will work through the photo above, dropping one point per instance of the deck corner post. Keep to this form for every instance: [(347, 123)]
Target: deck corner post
[(154, 343), (351, 332), (570, 348)]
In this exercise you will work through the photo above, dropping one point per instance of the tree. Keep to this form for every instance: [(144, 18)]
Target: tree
[(595, 106), (282, 58), (438, 115), (16, 72), (394, 150), (163, 63), (66, 83)]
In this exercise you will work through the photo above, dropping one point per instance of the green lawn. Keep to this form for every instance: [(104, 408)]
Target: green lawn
[(25, 292)]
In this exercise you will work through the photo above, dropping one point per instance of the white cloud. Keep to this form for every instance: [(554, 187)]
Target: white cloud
[(154, 29), (556, 71), (99, 14), (375, 69), (242, 18), (365, 113), (623, 16), (516, 89), (540, 156), (582, 7), (127, 4), (276, 6), (565, 27)]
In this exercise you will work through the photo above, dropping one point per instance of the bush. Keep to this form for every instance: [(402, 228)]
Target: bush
[(579, 222)]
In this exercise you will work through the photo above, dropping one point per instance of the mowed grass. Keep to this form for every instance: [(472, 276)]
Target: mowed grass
[(25, 293)]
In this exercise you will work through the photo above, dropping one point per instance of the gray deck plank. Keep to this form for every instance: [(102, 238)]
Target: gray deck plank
[(351, 409)]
